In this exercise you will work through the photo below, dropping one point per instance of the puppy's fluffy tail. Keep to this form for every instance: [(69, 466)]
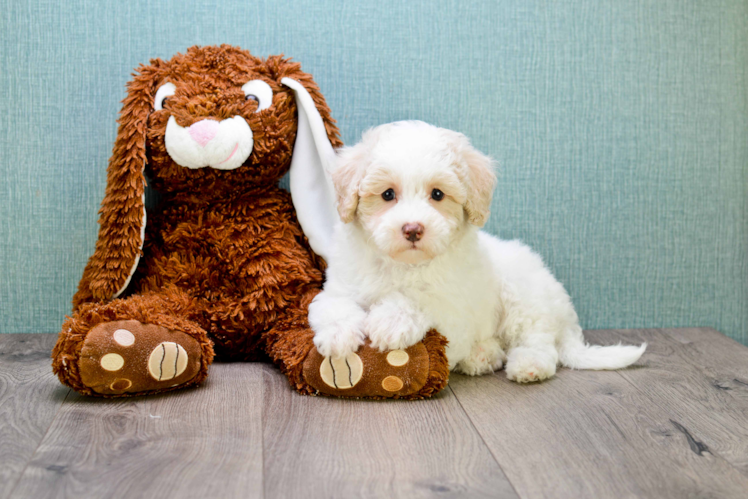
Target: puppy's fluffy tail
[(575, 353)]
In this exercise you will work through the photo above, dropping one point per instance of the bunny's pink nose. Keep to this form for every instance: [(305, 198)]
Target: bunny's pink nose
[(203, 131)]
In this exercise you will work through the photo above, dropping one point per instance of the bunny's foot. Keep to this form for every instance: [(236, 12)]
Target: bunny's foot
[(100, 353), (129, 357), (418, 371)]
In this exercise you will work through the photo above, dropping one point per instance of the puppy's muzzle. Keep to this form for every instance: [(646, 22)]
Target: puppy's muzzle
[(413, 231)]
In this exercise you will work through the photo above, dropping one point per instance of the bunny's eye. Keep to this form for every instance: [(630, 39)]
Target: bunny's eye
[(162, 93), (259, 91)]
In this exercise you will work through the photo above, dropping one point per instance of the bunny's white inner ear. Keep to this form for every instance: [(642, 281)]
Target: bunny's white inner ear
[(312, 190), (137, 257)]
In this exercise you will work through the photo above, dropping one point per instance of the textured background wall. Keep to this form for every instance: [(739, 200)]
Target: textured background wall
[(621, 129)]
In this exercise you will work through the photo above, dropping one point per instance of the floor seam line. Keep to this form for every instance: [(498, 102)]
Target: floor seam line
[(472, 424), (262, 428)]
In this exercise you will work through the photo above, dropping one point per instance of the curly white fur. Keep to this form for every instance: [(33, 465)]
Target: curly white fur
[(495, 301)]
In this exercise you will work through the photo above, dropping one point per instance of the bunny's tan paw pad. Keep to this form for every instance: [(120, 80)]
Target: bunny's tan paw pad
[(126, 357), (369, 373)]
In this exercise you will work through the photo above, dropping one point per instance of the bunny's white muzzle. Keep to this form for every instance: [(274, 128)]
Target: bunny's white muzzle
[(223, 145)]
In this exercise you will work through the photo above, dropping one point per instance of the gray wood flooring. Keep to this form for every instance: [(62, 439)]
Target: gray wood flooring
[(675, 425)]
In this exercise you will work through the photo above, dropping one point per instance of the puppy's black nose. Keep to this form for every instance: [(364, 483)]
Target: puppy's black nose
[(413, 231)]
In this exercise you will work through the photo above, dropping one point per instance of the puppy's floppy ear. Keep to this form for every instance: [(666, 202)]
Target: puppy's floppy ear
[(476, 171), (122, 215), (347, 175), (312, 190)]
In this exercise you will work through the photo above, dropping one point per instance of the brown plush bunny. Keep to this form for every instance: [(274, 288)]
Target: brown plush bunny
[(222, 260)]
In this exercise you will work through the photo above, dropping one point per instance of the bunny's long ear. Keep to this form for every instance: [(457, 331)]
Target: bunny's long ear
[(122, 215), (312, 190)]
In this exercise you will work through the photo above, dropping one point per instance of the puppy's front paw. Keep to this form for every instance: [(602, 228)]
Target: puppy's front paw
[(390, 327), (337, 325), (339, 340), (527, 365)]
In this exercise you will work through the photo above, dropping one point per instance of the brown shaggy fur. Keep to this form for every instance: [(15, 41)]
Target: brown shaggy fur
[(224, 258), (148, 309)]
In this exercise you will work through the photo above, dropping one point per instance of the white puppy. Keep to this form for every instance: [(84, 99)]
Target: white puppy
[(409, 256)]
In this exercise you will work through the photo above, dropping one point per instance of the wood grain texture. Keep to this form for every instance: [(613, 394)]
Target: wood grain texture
[(30, 396), (201, 442), (700, 378), (592, 434), (672, 426), (332, 448)]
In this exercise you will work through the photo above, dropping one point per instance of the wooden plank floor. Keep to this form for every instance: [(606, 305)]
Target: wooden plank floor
[(675, 425)]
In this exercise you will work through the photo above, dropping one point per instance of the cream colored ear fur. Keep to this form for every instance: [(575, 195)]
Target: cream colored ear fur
[(477, 172), (347, 176)]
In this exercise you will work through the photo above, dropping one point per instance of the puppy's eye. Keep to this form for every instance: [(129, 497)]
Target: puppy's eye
[(388, 195), (437, 195), (260, 92), (164, 91)]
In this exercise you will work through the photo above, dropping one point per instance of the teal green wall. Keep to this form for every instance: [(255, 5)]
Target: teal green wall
[(620, 126)]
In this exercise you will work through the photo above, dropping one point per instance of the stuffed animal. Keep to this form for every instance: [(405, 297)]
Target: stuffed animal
[(223, 264)]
